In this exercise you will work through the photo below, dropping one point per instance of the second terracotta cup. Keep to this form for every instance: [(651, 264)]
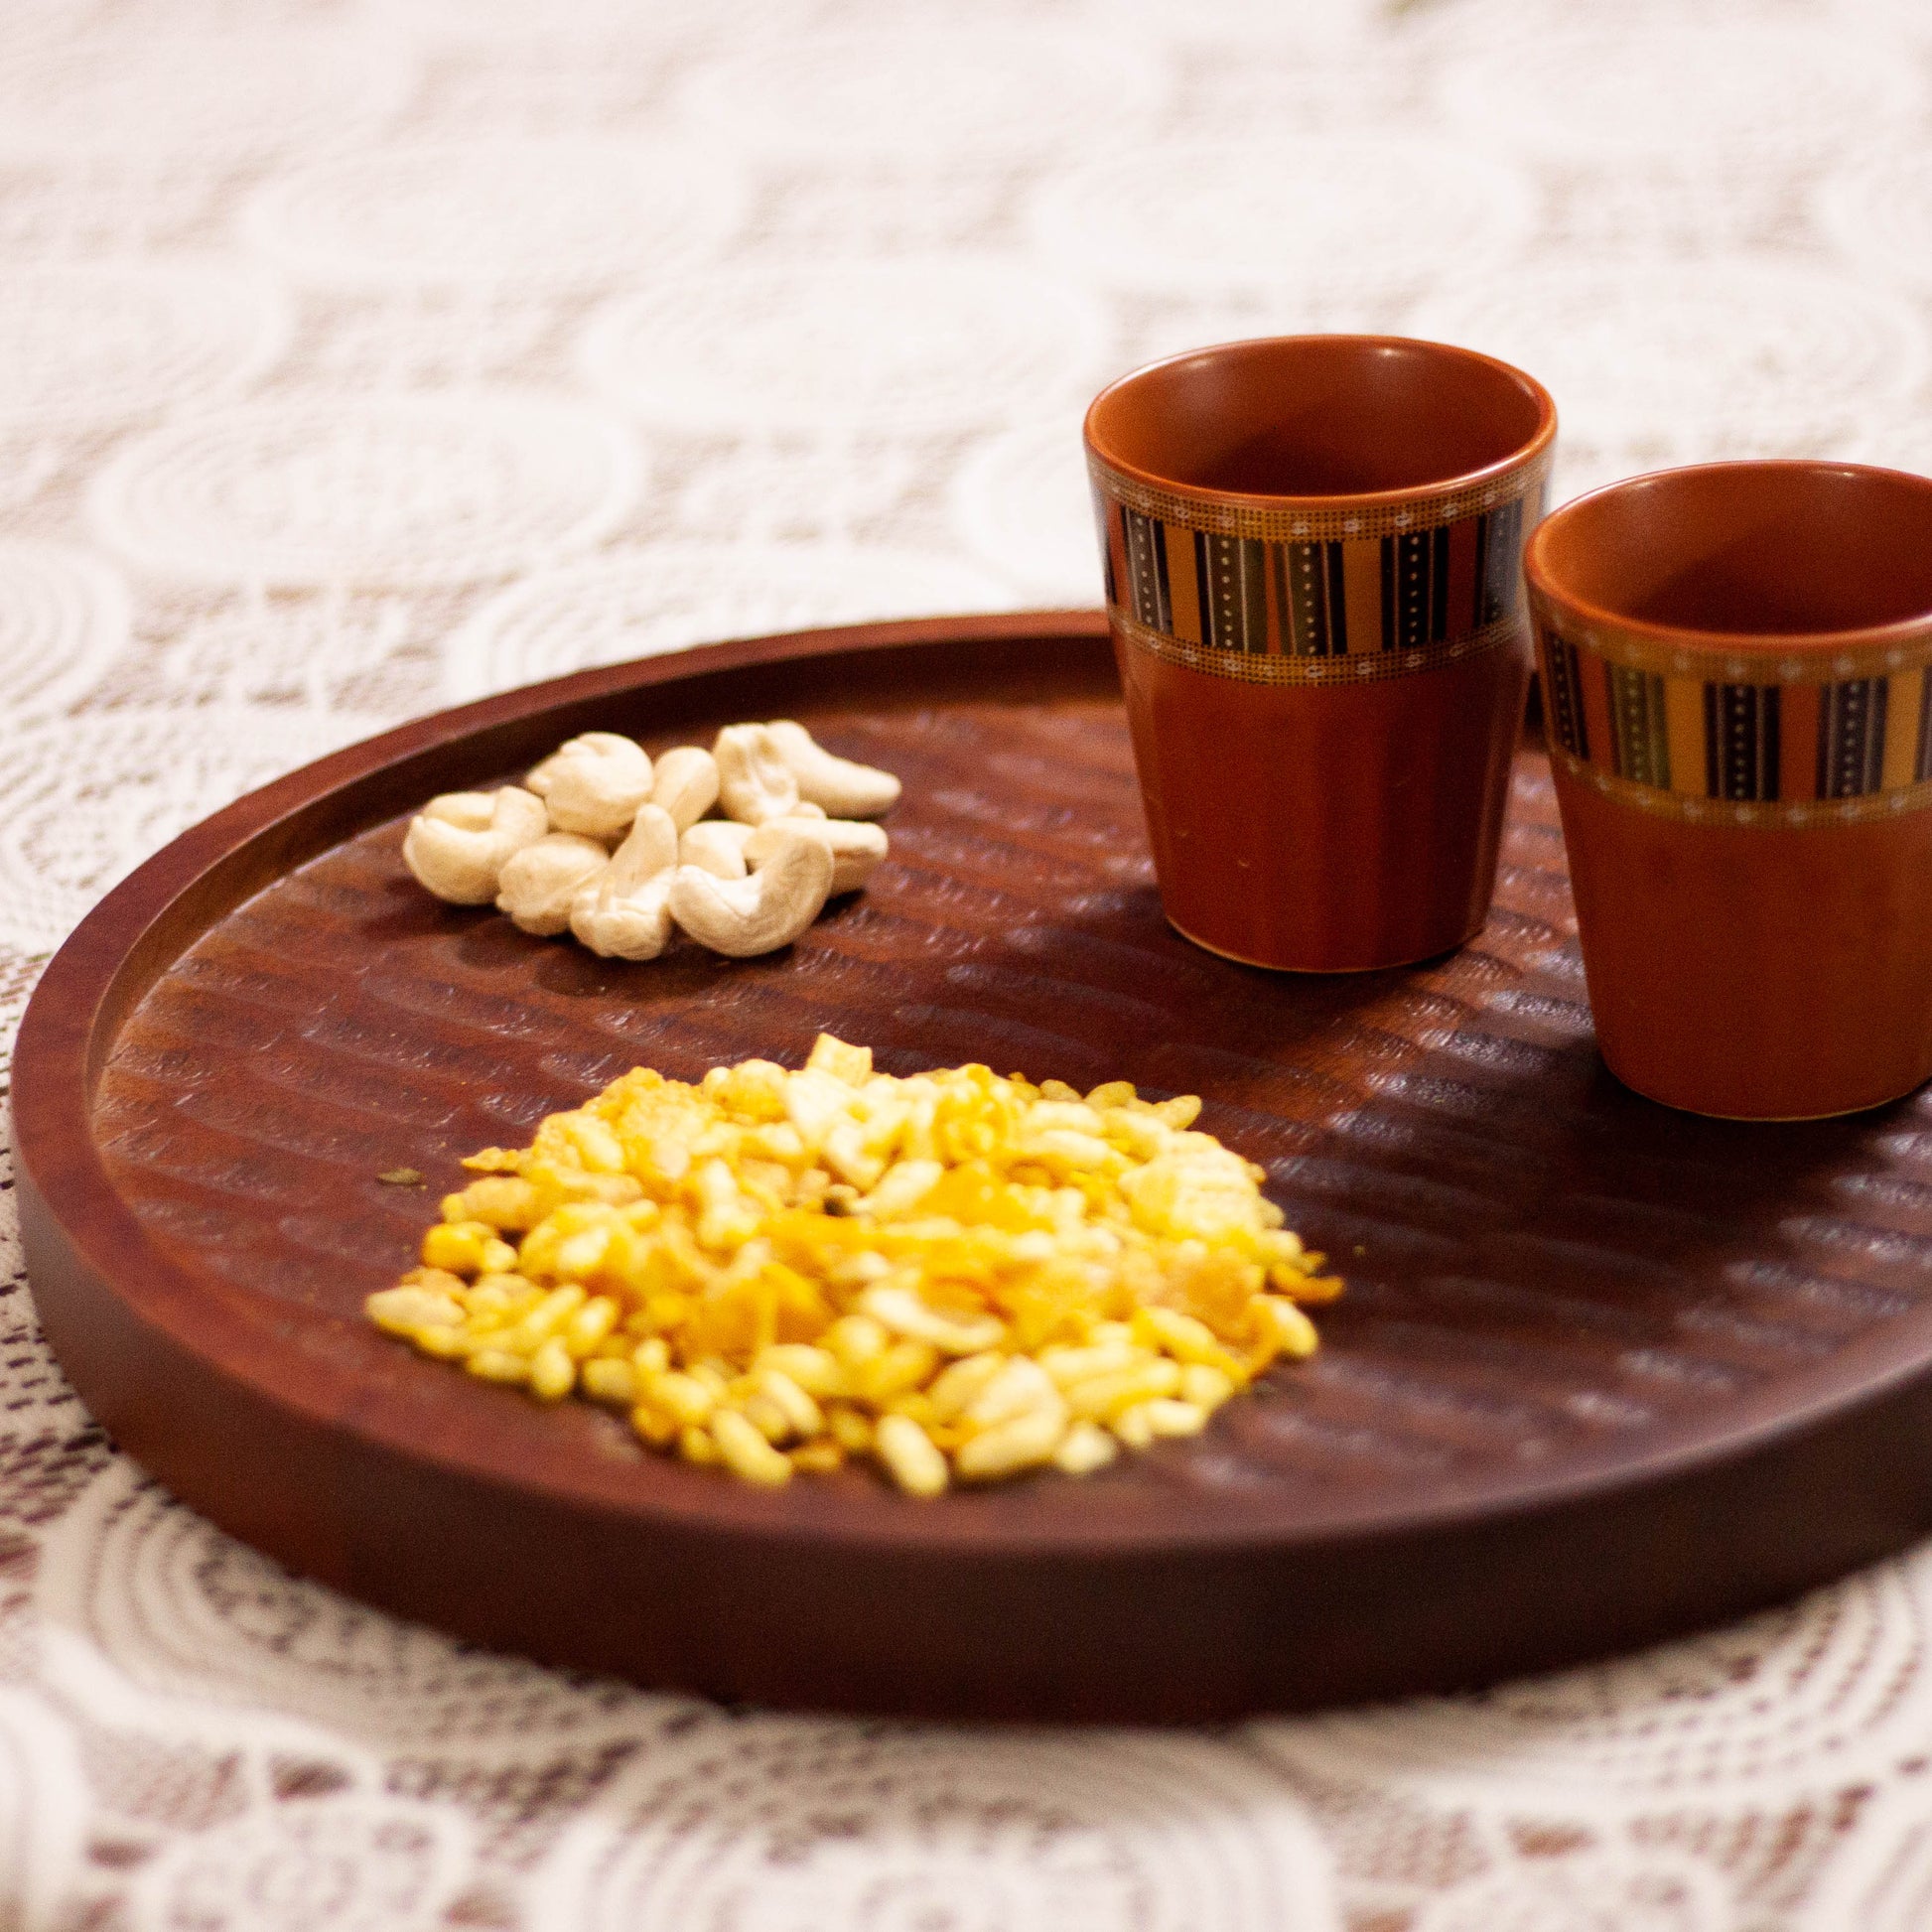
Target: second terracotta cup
[(1312, 553), (1738, 678)]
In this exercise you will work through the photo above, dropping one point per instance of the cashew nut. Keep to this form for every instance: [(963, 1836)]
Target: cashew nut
[(856, 848), (845, 788), (759, 914), (457, 844), (717, 845), (753, 780), (624, 912), (745, 884), (685, 783), (593, 784), (540, 881)]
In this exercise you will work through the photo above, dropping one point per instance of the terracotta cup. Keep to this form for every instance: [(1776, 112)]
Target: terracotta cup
[(1736, 674), (1312, 555)]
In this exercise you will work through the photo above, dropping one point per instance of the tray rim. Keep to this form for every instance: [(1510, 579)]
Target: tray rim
[(80, 1002)]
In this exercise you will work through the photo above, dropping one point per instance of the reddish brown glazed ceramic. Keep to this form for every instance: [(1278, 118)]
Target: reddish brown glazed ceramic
[(1311, 549), (1736, 674)]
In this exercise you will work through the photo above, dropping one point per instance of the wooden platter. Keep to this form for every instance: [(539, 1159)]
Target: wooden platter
[(1603, 1373)]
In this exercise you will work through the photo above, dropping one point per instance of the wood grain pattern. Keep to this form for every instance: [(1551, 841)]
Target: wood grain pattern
[(1602, 1371)]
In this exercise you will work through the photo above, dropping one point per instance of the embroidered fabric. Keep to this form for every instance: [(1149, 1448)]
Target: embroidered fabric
[(361, 355)]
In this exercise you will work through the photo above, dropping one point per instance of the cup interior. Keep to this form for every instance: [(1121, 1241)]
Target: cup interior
[(1317, 416), (1747, 549)]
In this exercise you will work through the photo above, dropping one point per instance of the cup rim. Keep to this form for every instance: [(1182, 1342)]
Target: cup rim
[(1526, 452), (1546, 585)]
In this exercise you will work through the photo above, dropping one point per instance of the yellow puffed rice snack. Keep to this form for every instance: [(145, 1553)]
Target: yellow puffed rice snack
[(957, 1276)]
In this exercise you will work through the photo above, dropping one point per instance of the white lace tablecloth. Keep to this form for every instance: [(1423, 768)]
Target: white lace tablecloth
[(355, 358)]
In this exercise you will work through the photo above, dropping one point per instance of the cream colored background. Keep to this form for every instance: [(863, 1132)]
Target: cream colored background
[(355, 358)]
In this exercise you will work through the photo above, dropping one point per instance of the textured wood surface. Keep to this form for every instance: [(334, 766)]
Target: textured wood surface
[(1602, 1371)]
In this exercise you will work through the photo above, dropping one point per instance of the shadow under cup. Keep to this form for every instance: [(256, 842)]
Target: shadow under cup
[(1313, 552), (1738, 681)]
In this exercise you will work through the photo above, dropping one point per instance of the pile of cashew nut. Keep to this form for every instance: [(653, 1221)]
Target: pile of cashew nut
[(606, 842)]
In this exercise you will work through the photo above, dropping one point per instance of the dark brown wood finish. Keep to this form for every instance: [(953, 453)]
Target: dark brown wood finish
[(1603, 1373)]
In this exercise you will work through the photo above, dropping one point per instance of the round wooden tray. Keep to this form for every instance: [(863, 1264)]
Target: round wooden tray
[(1602, 1372)]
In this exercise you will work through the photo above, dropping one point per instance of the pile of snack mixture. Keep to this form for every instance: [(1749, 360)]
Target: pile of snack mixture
[(957, 1276), (619, 848)]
